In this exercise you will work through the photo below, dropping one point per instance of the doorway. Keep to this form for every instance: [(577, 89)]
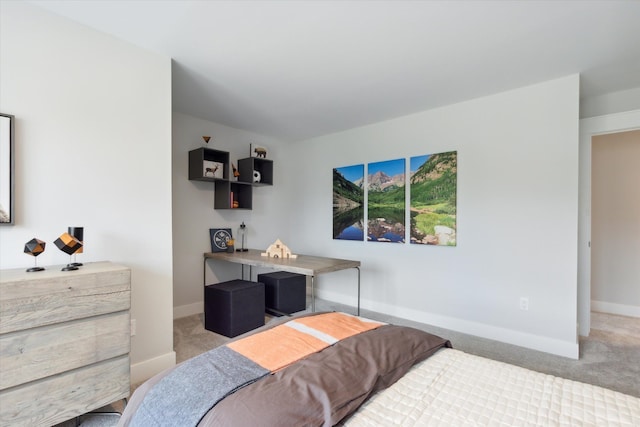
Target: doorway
[(589, 128), (615, 223)]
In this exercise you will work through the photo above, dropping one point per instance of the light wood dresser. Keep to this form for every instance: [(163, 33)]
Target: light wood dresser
[(64, 342)]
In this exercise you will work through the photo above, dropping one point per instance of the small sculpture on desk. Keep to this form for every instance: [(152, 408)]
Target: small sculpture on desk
[(278, 250), (242, 235)]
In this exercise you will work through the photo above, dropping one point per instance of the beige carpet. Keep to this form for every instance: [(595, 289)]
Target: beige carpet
[(190, 338)]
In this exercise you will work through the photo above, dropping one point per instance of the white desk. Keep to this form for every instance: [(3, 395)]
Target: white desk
[(303, 264)]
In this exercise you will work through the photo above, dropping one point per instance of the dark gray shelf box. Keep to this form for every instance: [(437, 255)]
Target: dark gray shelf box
[(248, 165), (242, 192), (196, 163)]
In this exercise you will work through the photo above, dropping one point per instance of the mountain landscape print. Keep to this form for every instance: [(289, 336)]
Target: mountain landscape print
[(386, 201), (433, 189), (348, 203)]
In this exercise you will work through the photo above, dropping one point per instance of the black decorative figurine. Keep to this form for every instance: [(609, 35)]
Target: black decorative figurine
[(34, 247), (69, 245), (78, 233)]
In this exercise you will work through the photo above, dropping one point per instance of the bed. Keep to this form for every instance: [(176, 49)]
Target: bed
[(338, 369)]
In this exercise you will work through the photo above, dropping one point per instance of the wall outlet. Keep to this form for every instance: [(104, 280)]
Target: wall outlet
[(133, 327), (524, 303)]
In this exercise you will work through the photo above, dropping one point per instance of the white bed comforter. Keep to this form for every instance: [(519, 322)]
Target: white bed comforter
[(453, 388)]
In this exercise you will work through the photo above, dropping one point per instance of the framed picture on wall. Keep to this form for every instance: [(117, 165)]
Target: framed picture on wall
[(219, 238), (6, 169)]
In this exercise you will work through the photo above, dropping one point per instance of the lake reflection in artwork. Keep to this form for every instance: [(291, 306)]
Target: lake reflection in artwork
[(386, 201), (348, 199), (386, 225), (352, 232), (349, 224)]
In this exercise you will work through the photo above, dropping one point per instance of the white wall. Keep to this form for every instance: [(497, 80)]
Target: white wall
[(615, 224), (517, 217), (610, 103), (93, 135), (193, 213)]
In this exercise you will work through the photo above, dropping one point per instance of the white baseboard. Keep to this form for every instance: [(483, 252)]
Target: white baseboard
[(146, 369), (188, 310), (613, 308), (509, 336)]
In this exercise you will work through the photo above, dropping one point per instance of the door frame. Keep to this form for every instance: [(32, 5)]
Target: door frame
[(590, 127)]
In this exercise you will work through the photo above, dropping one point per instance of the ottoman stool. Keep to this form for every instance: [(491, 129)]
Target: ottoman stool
[(285, 293), (234, 307)]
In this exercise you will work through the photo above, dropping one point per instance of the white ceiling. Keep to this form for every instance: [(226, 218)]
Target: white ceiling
[(299, 69)]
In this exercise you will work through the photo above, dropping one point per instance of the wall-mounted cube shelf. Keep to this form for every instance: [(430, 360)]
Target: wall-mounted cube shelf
[(263, 166), (201, 158), (227, 192), (206, 164)]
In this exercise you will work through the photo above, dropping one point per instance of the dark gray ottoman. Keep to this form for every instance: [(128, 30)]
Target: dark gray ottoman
[(285, 293), (233, 308)]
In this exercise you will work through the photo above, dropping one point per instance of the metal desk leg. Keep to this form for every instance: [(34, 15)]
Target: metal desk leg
[(358, 268), (242, 272), (313, 294)]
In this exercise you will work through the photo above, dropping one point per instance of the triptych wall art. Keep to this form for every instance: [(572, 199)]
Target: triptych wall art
[(348, 203), (386, 201), (432, 181)]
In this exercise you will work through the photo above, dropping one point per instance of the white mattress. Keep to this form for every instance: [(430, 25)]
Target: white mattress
[(453, 388)]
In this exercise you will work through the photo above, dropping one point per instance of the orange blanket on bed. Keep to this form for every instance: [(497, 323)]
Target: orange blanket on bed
[(279, 347)]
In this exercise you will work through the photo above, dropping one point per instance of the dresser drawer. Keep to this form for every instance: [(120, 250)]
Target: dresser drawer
[(36, 353), (48, 297), (58, 398)]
